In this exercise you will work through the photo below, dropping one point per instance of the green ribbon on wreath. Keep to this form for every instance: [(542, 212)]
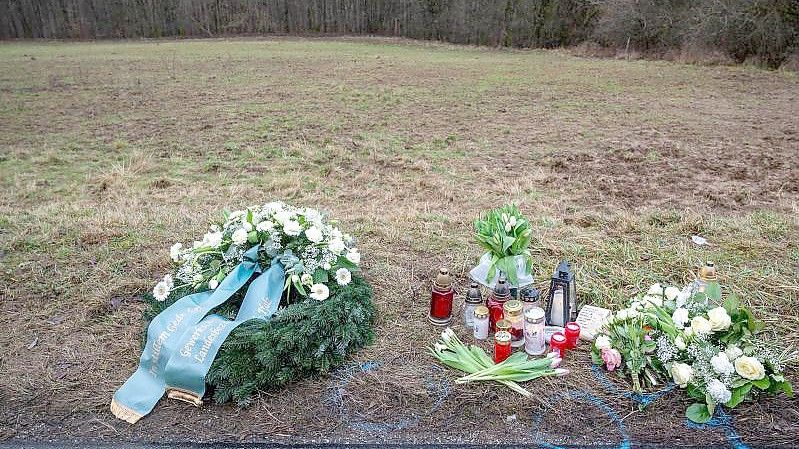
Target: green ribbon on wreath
[(182, 341)]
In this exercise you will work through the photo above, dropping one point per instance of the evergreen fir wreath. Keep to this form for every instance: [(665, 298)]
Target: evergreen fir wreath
[(326, 311)]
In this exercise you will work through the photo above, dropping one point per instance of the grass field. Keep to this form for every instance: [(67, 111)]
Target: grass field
[(112, 151)]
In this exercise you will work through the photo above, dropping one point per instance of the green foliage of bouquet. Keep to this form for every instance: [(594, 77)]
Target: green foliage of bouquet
[(710, 350), (326, 311), (506, 235)]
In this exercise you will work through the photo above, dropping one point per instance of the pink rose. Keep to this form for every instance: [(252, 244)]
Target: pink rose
[(612, 358)]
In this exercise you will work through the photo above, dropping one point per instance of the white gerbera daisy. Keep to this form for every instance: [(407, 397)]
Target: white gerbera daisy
[(319, 292), (161, 291), (343, 276)]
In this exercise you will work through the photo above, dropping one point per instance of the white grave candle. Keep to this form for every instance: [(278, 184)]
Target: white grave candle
[(556, 317)]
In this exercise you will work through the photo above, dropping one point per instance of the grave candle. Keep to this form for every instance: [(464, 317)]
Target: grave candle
[(441, 299), (557, 344), (502, 348), (572, 333)]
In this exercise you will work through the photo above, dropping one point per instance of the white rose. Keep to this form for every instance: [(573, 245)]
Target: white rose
[(701, 325), (733, 352), (680, 317), (655, 289), (749, 368), (336, 246), (265, 226), (679, 343), (175, 252), (213, 284), (681, 373), (314, 234), (319, 292), (721, 364), (602, 342), (354, 256), (343, 276), (306, 279), (671, 293), (212, 239), (239, 237), (719, 319), (292, 228)]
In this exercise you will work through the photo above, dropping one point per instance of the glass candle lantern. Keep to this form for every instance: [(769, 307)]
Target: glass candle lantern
[(562, 300), (480, 328), (512, 311), (534, 342), (473, 299), (496, 301), (502, 347), (708, 283), (530, 297), (572, 333), (441, 299)]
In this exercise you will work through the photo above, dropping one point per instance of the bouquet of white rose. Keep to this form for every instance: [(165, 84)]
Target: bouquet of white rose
[(710, 350)]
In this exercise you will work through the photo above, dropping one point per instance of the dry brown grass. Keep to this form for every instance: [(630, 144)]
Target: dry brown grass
[(113, 151)]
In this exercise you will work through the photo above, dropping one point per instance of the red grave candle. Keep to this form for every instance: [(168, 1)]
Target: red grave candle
[(558, 344), (572, 333), (441, 299), (502, 348), (495, 302)]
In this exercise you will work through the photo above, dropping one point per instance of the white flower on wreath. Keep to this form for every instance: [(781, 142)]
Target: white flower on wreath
[(282, 216), (265, 226), (354, 256), (246, 225), (169, 281), (681, 373), (652, 300), (749, 368), (292, 228), (213, 284), (655, 289), (175, 252), (718, 391), (701, 326), (719, 319), (680, 317), (306, 279), (212, 239), (343, 276), (314, 234), (161, 291), (733, 352), (602, 342), (239, 237), (721, 364), (336, 246), (235, 215), (319, 292)]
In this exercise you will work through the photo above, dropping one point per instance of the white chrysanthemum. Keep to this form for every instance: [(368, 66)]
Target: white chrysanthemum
[(265, 226), (161, 291), (213, 284), (282, 216), (239, 236), (175, 252), (343, 276), (718, 391), (336, 246), (292, 228), (212, 239), (721, 364), (319, 292), (314, 234), (680, 317), (354, 256), (306, 279)]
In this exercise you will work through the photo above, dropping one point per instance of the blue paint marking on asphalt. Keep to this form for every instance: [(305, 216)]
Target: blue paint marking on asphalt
[(641, 398), (438, 388), (587, 398), (723, 420)]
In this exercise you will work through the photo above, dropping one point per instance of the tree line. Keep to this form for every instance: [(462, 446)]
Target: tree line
[(764, 30)]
